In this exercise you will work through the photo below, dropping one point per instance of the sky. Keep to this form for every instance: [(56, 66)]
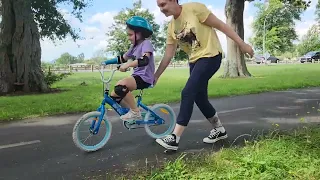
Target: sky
[(98, 18)]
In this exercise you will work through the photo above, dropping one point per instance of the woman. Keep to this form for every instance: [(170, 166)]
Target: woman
[(192, 28)]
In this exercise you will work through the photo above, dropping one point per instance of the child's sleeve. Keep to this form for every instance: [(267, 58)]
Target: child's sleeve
[(127, 53), (201, 11), (147, 47)]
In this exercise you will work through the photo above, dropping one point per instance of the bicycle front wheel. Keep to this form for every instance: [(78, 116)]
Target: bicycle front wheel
[(80, 127)]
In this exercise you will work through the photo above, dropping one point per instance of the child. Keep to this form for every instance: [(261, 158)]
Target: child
[(141, 52)]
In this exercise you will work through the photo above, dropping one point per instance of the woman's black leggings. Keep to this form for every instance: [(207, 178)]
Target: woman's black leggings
[(196, 89)]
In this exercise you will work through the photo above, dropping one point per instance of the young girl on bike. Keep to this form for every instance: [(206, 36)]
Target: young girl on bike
[(141, 54)]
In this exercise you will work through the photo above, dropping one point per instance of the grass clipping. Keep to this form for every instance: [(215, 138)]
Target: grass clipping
[(293, 155)]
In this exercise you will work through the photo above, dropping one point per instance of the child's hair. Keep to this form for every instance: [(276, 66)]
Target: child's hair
[(143, 32)]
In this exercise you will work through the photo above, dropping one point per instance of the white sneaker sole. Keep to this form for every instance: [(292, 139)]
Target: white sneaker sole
[(211, 141), (131, 119), (163, 144)]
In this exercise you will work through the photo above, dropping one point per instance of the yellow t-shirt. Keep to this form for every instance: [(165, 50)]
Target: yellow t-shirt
[(195, 38)]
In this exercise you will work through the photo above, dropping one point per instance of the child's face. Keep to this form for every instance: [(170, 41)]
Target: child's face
[(131, 35)]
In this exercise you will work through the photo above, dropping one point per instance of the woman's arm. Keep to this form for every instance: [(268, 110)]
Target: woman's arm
[(206, 17), (169, 53), (215, 22)]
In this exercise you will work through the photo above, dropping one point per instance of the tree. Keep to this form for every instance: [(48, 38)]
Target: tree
[(80, 58), (119, 42), (310, 41), (317, 12), (280, 26), (98, 57), (67, 59), (235, 64), (20, 51)]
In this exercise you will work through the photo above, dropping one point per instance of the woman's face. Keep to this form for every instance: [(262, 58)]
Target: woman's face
[(167, 6)]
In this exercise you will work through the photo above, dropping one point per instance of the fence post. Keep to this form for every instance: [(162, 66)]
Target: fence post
[(49, 69), (91, 68)]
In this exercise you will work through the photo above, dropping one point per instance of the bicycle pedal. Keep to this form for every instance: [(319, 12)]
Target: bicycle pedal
[(132, 122)]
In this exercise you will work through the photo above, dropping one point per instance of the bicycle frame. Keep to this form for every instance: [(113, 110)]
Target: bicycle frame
[(119, 109)]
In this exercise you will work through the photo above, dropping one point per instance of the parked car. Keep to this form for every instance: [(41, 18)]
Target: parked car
[(312, 55), (272, 59)]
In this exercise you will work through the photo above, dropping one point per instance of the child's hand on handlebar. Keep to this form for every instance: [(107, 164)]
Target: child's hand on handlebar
[(124, 67)]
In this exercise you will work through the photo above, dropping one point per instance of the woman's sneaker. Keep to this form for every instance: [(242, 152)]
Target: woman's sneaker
[(215, 135), (169, 142)]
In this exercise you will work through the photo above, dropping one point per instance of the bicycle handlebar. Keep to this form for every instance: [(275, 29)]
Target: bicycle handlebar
[(111, 76)]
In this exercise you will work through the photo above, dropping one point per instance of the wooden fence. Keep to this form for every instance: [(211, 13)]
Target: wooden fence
[(95, 68)]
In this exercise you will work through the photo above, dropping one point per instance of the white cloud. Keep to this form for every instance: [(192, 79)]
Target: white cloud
[(303, 27), (93, 31)]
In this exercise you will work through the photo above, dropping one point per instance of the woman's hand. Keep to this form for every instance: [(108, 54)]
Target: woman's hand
[(246, 49)]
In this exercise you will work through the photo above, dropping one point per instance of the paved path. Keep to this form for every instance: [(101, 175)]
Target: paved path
[(43, 149)]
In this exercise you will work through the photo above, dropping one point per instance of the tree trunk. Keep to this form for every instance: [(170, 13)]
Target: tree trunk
[(235, 65), (20, 51)]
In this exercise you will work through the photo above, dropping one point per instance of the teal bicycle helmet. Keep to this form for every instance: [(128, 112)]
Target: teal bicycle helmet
[(139, 24)]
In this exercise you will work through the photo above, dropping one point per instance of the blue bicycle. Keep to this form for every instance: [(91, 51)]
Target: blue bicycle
[(95, 119)]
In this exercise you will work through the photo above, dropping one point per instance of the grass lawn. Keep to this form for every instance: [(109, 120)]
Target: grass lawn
[(286, 155), (80, 98)]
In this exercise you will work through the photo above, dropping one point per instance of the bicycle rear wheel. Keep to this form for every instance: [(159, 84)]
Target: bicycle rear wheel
[(87, 119), (165, 110)]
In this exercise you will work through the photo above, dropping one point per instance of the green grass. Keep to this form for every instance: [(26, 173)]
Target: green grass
[(79, 98), (285, 155)]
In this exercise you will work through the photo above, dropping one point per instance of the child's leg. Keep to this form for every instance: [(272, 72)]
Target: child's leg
[(122, 94), (119, 100), (122, 89)]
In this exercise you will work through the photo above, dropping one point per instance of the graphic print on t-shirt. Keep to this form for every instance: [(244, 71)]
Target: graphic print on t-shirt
[(188, 37)]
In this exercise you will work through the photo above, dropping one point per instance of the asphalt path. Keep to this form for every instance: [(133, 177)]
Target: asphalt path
[(42, 148)]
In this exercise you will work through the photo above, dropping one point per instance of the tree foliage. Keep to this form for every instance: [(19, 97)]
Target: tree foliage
[(67, 59), (318, 12), (51, 21), (119, 43), (279, 19), (310, 41)]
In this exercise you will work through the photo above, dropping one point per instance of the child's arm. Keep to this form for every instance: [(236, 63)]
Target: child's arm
[(148, 50), (142, 61)]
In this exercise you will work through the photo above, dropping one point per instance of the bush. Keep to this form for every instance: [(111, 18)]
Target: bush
[(50, 77)]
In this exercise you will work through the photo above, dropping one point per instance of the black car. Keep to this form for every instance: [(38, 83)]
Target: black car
[(272, 59), (312, 55)]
